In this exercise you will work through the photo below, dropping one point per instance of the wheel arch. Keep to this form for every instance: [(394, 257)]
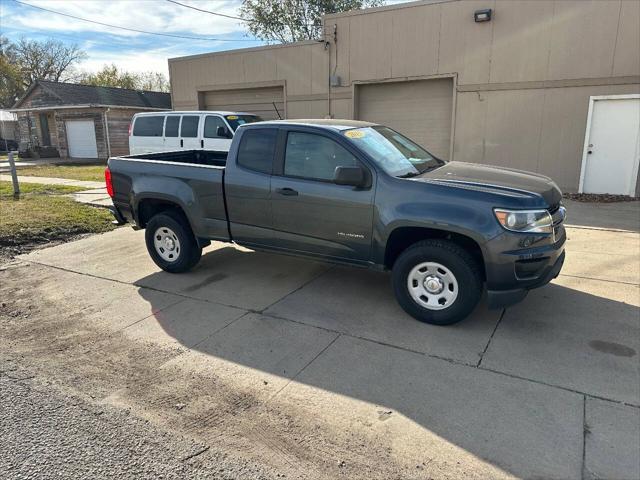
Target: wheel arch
[(403, 237)]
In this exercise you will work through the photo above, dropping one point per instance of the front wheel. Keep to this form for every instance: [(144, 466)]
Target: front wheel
[(437, 282), (171, 243)]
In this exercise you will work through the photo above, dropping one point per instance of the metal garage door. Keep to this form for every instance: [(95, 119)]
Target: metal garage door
[(419, 109), (81, 138), (252, 100)]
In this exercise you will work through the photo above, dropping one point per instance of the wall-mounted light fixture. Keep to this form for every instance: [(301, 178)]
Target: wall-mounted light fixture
[(482, 15)]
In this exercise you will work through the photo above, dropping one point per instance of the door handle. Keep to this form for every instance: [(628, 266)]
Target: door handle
[(181, 143), (201, 143), (286, 191)]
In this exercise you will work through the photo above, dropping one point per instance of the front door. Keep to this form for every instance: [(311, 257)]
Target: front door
[(44, 129), (189, 130), (216, 134), (612, 150), (310, 212)]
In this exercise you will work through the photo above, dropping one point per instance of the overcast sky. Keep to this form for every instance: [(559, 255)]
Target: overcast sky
[(129, 50)]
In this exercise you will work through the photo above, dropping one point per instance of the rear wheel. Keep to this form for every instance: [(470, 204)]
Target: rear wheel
[(437, 281), (171, 243)]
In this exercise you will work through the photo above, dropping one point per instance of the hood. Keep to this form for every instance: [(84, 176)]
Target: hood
[(496, 179)]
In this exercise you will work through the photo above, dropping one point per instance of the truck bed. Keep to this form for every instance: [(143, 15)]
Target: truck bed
[(195, 157), (191, 179)]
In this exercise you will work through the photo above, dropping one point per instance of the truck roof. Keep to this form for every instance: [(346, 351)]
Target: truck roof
[(334, 123)]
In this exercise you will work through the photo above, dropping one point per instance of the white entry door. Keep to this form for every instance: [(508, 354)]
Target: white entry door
[(612, 146), (81, 139)]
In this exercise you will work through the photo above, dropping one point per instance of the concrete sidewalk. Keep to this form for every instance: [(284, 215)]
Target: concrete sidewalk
[(55, 181), (96, 193)]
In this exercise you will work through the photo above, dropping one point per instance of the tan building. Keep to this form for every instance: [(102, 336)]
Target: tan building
[(531, 88)]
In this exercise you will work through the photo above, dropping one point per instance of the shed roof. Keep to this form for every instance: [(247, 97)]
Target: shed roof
[(69, 94)]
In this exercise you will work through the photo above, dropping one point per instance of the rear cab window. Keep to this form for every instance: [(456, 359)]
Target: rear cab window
[(257, 149), (148, 126)]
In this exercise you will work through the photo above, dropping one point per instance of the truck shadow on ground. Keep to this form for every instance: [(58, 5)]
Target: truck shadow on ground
[(339, 330)]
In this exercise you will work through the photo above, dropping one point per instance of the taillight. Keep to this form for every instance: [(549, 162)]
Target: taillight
[(107, 179), (130, 127)]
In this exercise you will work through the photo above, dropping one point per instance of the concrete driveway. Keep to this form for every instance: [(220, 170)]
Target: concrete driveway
[(315, 372)]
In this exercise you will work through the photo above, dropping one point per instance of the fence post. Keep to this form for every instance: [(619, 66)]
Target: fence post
[(14, 175)]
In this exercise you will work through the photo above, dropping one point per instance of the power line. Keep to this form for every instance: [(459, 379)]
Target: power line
[(311, 24), (206, 11), (138, 31)]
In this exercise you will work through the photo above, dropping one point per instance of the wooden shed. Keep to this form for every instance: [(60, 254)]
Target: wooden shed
[(80, 121)]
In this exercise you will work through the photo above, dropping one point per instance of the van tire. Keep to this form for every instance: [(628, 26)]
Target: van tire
[(460, 273), (171, 243)]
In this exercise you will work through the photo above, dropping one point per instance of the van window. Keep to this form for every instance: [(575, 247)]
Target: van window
[(189, 127), (171, 127), (257, 149), (148, 126), (211, 125)]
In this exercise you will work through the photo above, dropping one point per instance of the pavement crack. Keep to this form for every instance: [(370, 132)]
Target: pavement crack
[(585, 431), (486, 347), (303, 368), (195, 454)]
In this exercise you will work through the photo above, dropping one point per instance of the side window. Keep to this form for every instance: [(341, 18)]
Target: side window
[(148, 126), (189, 128), (257, 149), (171, 126), (211, 125), (315, 157)]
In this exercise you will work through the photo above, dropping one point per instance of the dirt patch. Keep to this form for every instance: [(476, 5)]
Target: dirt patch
[(599, 198)]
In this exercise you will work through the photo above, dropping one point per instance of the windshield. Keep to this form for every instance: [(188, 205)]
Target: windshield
[(236, 120), (395, 153)]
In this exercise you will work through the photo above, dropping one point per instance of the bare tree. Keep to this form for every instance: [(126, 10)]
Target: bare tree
[(48, 60)]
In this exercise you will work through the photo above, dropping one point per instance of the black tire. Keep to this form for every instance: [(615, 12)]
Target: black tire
[(461, 264), (189, 252)]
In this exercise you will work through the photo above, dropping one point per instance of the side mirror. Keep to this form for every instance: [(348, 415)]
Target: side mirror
[(353, 176), (222, 132)]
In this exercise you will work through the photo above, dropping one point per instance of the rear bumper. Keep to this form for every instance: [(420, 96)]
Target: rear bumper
[(505, 298), (120, 220)]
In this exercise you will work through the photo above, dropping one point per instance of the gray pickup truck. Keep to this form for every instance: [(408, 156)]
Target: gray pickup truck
[(353, 193)]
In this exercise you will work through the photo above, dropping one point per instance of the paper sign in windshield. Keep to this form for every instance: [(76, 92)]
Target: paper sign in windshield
[(354, 134)]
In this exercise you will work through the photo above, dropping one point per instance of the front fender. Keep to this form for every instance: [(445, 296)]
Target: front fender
[(458, 218)]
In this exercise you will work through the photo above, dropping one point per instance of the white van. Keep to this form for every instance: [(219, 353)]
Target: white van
[(190, 130)]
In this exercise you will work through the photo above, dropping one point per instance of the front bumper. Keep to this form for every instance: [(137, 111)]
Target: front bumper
[(505, 298), (516, 263)]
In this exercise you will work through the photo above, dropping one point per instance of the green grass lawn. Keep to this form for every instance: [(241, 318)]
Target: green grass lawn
[(43, 214), (94, 173)]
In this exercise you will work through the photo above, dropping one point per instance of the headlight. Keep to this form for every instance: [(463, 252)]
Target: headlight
[(530, 221)]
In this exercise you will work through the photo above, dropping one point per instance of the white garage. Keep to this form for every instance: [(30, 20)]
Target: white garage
[(420, 109), (81, 139)]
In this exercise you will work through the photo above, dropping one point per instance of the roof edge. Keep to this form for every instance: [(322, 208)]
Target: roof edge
[(248, 49), (86, 105), (384, 8)]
